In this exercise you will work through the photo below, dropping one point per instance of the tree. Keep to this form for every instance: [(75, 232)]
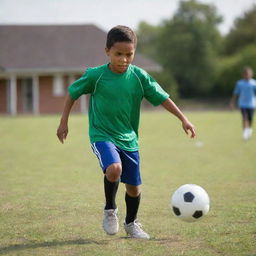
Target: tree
[(231, 69), (189, 45), (148, 44), (148, 37), (243, 33), (168, 83)]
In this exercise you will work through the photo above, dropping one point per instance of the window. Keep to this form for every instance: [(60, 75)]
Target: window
[(58, 86)]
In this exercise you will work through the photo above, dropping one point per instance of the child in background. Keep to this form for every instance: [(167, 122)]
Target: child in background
[(244, 92), (117, 89)]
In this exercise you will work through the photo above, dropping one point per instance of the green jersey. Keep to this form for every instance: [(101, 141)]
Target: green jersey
[(114, 109)]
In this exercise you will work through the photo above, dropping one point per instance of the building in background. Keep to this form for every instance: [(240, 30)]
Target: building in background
[(38, 62)]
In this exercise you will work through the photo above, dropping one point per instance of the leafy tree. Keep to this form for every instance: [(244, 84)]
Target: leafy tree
[(167, 81), (148, 44), (148, 37), (189, 47), (243, 33), (230, 70)]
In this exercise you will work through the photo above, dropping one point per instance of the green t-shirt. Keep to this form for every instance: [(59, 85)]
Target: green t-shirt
[(114, 109)]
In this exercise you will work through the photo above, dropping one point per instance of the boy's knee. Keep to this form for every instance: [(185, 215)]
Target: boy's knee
[(133, 191), (113, 172)]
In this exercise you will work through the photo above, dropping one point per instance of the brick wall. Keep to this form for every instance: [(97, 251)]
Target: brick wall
[(48, 102)]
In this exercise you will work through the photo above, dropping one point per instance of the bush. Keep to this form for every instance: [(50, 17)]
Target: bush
[(230, 70), (168, 83)]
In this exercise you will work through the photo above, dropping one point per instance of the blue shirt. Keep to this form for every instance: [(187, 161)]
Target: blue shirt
[(246, 92)]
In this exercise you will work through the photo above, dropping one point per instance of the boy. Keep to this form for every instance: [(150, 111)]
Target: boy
[(245, 91), (117, 89)]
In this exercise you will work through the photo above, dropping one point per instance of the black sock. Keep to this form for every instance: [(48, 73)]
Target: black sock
[(132, 206), (110, 193)]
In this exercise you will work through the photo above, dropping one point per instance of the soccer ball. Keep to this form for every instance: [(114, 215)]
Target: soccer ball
[(190, 202)]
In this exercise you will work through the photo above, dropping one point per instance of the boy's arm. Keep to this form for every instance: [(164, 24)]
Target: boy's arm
[(62, 130), (187, 126), (233, 101)]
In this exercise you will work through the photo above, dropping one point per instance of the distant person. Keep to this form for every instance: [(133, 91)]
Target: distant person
[(117, 89), (244, 93)]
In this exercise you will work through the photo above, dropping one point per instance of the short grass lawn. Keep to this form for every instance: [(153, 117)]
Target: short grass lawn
[(51, 195)]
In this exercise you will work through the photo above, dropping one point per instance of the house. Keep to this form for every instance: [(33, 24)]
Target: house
[(38, 62)]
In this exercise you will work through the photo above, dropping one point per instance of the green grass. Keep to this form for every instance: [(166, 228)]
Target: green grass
[(51, 195)]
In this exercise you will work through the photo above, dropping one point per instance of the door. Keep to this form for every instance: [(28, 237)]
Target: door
[(27, 91)]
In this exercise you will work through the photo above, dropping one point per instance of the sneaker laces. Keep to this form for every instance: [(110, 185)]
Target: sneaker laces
[(137, 227), (111, 214), (138, 224)]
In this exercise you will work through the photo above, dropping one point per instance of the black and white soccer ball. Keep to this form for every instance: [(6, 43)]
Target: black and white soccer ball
[(190, 202)]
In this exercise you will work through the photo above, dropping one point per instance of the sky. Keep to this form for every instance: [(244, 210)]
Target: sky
[(108, 13)]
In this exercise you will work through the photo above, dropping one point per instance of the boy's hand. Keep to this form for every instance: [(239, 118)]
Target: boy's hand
[(232, 106), (187, 126), (62, 132)]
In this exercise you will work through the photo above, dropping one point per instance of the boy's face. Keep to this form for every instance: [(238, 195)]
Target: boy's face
[(247, 74), (121, 56)]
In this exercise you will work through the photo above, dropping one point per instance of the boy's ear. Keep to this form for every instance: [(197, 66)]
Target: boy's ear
[(107, 51)]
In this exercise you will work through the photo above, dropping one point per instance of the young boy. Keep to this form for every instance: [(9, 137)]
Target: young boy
[(245, 91), (117, 89)]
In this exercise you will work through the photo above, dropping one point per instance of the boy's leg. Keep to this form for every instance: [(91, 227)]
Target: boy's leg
[(245, 118), (250, 112), (132, 199), (250, 119), (246, 125), (110, 163), (111, 182), (247, 115)]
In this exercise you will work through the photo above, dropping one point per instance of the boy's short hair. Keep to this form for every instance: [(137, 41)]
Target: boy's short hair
[(247, 68), (120, 34)]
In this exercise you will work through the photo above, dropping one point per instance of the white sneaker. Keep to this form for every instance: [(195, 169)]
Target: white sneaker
[(134, 229), (250, 132), (246, 134), (110, 221)]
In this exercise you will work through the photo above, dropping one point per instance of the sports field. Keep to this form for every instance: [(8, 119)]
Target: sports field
[(51, 195)]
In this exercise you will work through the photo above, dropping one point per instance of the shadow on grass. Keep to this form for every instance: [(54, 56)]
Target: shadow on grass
[(153, 239), (31, 245), (17, 247)]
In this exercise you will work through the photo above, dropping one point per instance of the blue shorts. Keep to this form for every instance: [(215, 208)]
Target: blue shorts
[(247, 114), (108, 153)]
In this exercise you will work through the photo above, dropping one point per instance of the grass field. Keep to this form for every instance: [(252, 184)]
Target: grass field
[(51, 195)]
